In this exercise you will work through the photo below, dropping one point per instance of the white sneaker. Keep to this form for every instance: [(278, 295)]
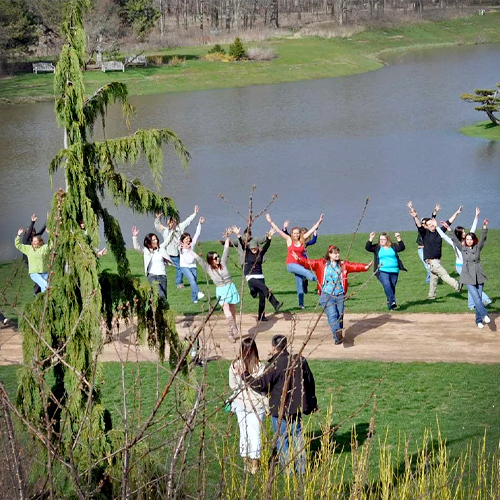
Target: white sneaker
[(201, 295), (195, 302), (480, 325), (486, 319)]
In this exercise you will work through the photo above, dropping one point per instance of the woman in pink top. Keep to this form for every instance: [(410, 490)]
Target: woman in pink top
[(295, 243)]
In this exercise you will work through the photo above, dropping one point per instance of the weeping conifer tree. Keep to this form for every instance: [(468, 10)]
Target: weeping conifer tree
[(62, 328)]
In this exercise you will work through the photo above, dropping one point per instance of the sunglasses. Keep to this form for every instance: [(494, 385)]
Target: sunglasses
[(215, 257)]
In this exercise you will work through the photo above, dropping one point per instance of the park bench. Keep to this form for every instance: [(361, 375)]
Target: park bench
[(136, 61), (113, 66), (43, 67)]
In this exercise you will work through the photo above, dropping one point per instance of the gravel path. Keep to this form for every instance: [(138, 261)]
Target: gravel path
[(378, 337)]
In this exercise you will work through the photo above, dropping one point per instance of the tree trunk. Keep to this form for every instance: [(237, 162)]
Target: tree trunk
[(493, 118)]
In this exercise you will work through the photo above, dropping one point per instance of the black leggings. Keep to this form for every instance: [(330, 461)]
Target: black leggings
[(258, 288)]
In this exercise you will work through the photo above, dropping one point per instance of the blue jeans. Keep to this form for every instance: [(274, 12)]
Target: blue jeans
[(41, 280), (389, 281), (290, 436), (161, 282), (178, 275), (476, 291), (300, 272), (334, 310), (420, 252), (484, 298), (191, 275)]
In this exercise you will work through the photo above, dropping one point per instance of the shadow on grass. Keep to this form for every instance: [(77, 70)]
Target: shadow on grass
[(341, 441)]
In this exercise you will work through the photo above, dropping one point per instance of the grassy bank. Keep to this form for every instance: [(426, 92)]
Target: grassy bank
[(365, 292), (483, 130), (299, 58)]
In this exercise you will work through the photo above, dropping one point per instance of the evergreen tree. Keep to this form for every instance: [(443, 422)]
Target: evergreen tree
[(62, 329), (236, 49), (489, 101)]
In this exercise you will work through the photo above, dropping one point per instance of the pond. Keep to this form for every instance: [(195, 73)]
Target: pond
[(323, 146)]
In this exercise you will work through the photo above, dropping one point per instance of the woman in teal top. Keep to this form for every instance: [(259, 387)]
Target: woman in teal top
[(387, 263)]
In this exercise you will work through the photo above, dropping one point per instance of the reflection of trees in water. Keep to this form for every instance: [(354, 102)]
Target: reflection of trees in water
[(487, 151)]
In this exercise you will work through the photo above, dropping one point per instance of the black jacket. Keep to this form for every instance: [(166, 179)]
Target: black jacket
[(300, 391), (253, 261), (398, 246)]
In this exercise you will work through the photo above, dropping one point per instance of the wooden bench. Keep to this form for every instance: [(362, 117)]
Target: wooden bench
[(136, 61), (43, 67), (113, 66)]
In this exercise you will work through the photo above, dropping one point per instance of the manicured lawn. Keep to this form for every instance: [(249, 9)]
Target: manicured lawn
[(299, 58)]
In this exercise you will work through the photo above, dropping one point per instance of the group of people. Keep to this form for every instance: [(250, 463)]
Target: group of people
[(285, 389), (330, 273)]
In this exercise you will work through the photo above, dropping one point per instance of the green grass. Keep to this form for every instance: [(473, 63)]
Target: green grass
[(365, 292), (483, 130), (462, 399), (305, 58)]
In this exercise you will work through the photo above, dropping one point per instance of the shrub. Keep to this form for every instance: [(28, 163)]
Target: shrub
[(176, 61), (261, 53), (236, 49), (217, 49), (218, 57)]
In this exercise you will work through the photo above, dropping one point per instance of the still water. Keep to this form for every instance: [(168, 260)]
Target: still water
[(323, 146)]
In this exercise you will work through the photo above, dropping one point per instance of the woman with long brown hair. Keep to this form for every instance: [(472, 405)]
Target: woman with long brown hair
[(225, 289), (249, 406)]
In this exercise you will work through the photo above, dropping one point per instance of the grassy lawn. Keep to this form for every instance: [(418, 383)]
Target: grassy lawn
[(366, 293), (463, 400), (305, 58), (483, 130)]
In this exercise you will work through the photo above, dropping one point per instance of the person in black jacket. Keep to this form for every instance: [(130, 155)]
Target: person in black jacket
[(290, 384), (387, 263), (252, 269), (27, 238)]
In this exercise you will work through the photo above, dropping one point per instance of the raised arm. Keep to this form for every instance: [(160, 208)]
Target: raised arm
[(455, 214), (445, 236), (370, 246), (482, 241), (22, 248), (225, 253), (413, 213), (285, 236), (135, 241), (315, 227), (475, 221), (158, 225), (185, 223), (198, 232)]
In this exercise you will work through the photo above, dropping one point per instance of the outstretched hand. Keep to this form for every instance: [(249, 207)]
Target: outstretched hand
[(236, 230), (135, 231), (477, 211), (227, 232), (34, 218), (271, 232), (398, 236), (486, 222), (202, 220), (369, 265), (437, 208), (286, 224), (158, 214), (268, 218), (372, 235), (20, 231), (196, 209)]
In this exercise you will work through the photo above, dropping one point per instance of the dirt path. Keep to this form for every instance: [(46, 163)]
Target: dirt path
[(378, 337)]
